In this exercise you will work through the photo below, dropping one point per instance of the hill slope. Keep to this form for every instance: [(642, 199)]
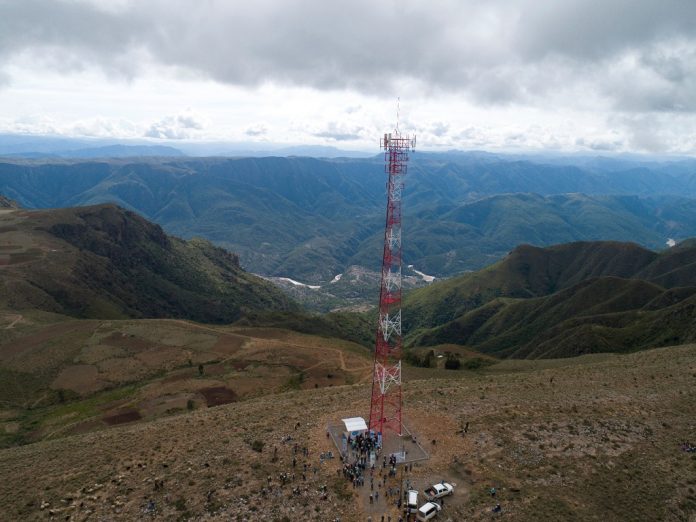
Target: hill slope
[(563, 300), (60, 376), (103, 261), (7, 203), (560, 440)]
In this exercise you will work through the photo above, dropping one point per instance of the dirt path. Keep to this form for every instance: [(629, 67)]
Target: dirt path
[(16, 319), (37, 401)]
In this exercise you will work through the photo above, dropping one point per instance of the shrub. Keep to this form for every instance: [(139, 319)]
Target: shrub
[(452, 363), (413, 358), (476, 363)]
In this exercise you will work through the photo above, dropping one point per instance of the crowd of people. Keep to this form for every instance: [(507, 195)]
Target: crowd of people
[(363, 443), (362, 467)]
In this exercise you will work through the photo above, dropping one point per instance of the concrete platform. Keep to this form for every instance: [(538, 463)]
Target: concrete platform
[(406, 448)]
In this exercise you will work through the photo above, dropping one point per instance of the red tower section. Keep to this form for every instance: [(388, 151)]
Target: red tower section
[(386, 402)]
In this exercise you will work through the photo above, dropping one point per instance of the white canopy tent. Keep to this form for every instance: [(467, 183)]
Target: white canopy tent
[(354, 424)]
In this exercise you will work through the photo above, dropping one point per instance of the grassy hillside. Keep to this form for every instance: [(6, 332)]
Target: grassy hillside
[(105, 262), (60, 376), (527, 271), (355, 327), (561, 301)]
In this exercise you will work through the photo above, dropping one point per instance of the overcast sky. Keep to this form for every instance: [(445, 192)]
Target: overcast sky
[(592, 75)]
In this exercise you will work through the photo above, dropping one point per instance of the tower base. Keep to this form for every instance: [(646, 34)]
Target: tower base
[(406, 448)]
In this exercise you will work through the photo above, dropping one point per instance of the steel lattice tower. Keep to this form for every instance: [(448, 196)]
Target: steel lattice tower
[(386, 402)]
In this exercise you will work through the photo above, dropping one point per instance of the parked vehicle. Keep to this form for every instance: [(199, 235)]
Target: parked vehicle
[(412, 501), (442, 489), (428, 511)]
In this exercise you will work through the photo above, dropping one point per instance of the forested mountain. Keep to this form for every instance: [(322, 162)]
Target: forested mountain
[(310, 219), (563, 300)]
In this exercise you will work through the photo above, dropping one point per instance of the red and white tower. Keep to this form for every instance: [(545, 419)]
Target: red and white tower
[(386, 402)]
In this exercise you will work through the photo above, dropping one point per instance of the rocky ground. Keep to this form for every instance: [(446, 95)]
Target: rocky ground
[(575, 439)]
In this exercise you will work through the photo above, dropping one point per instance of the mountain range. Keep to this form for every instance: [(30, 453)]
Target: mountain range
[(33, 146), (310, 219), (563, 300)]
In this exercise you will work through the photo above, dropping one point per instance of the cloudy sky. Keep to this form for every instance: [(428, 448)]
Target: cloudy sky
[(587, 75)]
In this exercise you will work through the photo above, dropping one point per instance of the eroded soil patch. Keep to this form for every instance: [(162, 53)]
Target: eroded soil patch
[(217, 395), (122, 417)]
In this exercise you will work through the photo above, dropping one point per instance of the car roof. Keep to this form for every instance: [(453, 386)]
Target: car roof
[(425, 507)]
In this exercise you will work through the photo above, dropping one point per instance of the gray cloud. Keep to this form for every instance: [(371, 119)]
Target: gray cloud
[(637, 56), (596, 29), (70, 35), (339, 132), (439, 128), (257, 130), (601, 145), (337, 136), (179, 127)]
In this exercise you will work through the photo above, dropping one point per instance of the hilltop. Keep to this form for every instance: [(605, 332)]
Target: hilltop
[(107, 262), (560, 440), (563, 300)]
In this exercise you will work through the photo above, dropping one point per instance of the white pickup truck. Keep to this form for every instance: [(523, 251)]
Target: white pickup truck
[(439, 490)]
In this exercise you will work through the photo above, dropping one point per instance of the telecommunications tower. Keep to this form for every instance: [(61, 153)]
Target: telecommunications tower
[(385, 405)]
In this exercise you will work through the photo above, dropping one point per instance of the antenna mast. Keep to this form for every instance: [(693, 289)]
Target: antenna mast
[(386, 401)]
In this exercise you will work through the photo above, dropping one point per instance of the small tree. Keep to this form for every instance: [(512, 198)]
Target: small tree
[(452, 363)]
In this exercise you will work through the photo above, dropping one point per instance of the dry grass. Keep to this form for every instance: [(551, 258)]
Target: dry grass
[(73, 376), (584, 439)]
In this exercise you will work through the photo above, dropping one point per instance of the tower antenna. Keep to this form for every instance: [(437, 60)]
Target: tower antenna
[(386, 401), (398, 109)]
